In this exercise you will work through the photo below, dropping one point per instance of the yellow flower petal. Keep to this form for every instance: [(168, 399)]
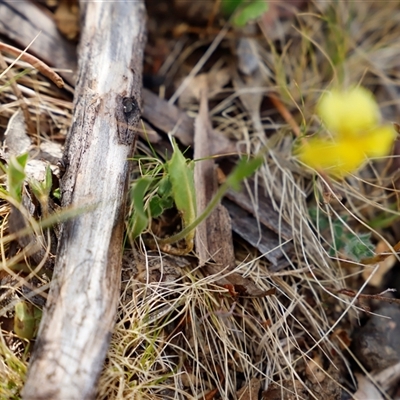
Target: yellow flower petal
[(336, 158), (353, 117), (349, 113), (379, 141)]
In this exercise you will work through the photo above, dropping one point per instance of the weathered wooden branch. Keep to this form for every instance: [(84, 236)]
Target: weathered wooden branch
[(79, 317)]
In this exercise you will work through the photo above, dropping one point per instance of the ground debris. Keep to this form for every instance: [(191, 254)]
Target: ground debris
[(377, 343), (250, 390)]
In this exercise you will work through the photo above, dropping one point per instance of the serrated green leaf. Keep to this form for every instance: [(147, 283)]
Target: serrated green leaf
[(359, 247), (140, 218), (159, 204), (245, 168)]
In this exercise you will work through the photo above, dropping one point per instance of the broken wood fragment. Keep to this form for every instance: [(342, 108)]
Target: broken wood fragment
[(260, 237), (263, 210), (170, 119), (167, 117), (214, 235)]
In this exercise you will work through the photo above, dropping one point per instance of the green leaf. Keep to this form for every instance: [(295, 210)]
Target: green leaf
[(159, 204), (359, 247), (57, 193), (165, 187), (319, 219), (156, 208), (167, 202), (181, 176), (140, 219), (384, 219), (338, 245), (42, 189), (245, 168), (338, 229), (26, 320), (249, 12), (16, 175), (228, 7), (36, 187)]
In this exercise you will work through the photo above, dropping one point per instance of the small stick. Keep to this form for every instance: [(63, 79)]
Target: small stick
[(29, 124), (35, 62), (287, 116), (359, 296)]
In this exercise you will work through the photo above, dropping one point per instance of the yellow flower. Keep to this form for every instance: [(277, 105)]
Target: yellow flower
[(352, 117), (336, 158), (349, 113)]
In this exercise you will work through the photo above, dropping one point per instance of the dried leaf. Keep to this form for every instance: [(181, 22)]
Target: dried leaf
[(67, 19), (366, 389), (247, 54), (286, 390), (315, 370), (214, 81), (251, 96), (384, 266), (51, 152)]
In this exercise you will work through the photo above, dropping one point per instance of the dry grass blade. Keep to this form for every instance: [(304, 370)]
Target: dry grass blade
[(18, 94)]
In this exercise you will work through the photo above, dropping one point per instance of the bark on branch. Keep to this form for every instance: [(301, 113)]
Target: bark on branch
[(79, 317)]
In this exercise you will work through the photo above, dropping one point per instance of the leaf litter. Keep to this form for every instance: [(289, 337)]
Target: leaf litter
[(181, 334)]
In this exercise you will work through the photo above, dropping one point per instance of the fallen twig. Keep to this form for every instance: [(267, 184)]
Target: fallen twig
[(35, 62)]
